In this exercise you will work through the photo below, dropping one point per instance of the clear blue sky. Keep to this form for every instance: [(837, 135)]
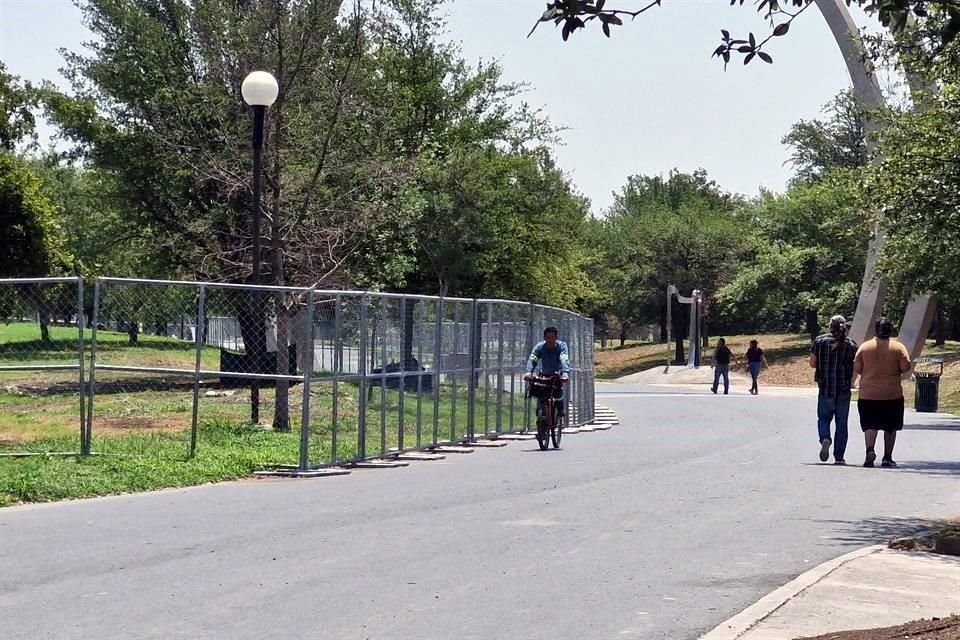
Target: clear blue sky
[(644, 101)]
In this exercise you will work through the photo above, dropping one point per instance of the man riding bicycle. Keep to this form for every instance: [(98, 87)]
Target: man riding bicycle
[(553, 357)]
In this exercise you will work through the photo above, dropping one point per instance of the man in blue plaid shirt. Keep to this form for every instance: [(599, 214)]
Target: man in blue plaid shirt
[(832, 356)]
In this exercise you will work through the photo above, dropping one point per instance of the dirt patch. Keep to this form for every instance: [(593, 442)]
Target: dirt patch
[(114, 426), (935, 629), (616, 362)]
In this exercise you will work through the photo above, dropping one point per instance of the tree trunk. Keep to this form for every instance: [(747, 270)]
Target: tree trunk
[(281, 411), (281, 407), (663, 325), (45, 331), (812, 320), (406, 350), (940, 329), (43, 314), (133, 332)]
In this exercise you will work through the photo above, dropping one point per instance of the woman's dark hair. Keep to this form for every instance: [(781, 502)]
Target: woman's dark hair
[(883, 328)]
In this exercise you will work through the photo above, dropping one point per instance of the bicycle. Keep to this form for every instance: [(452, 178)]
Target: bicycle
[(547, 389)]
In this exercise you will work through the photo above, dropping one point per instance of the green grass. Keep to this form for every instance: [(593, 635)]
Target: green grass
[(143, 438), (141, 429), (139, 463), (20, 344)]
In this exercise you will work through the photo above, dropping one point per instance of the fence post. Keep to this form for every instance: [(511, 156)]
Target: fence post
[(362, 371), (531, 342), (307, 347), (338, 371), (437, 367), (474, 372), (80, 353), (404, 363), (85, 444), (198, 341)]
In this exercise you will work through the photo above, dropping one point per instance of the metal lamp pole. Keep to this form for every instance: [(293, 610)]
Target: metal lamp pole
[(259, 90)]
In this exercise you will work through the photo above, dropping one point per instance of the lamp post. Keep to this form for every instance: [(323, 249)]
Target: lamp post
[(259, 90)]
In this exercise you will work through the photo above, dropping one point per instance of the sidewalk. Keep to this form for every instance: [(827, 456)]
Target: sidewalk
[(865, 589), (701, 379)]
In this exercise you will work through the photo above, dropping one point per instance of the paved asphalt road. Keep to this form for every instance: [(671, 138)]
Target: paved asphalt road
[(662, 527)]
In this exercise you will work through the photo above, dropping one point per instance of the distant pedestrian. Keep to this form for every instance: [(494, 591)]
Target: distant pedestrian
[(881, 363), (721, 366), (831, 356), (755, 361)]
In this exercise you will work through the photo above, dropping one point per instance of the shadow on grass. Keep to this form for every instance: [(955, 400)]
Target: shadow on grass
[(59, 348)]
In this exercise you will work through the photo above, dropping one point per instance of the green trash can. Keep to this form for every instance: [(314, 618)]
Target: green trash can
[(926, 398)]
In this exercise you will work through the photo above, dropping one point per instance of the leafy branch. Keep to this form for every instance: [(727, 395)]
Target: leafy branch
[(750, 47), (575, 14), (892, 14)]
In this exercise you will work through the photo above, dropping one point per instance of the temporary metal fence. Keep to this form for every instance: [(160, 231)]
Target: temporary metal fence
[(363, 374), (42, 353)]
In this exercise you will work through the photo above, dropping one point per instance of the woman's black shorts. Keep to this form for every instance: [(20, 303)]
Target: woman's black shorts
[(884, 415)]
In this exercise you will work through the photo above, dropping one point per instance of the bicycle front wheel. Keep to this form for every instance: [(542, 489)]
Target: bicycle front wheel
[(557, 432)]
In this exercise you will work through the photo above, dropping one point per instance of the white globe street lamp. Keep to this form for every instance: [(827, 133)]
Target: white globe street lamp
[(259, 90)]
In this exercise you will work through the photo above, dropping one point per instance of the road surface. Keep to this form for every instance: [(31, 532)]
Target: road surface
[(691, 509)]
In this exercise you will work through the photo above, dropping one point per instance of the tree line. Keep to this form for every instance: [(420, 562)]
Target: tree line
[(394, 164)]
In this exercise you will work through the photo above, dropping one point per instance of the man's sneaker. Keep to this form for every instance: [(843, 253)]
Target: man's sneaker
[(887, 462), (825, 449), (871, 456), (840, 462)]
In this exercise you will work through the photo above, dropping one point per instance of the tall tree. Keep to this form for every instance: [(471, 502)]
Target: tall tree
[(916, 189), (806, 259), (837, 142), (157, 105), (31, 240), (681, 230)]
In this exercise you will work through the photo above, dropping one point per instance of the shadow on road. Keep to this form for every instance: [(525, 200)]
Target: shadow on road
[(935, 426), (878, 530), (931, 467)]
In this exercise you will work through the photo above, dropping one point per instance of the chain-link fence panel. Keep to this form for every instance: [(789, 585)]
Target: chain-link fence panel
[(339, 361), (42, 351), (144, 353), (260, 337), (504, 347), (307, 378)]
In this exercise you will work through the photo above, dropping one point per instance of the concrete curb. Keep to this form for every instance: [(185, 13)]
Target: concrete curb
[(741, 623)]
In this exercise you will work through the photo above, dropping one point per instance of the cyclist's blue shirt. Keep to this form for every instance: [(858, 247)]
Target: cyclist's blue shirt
[(550, 361)]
